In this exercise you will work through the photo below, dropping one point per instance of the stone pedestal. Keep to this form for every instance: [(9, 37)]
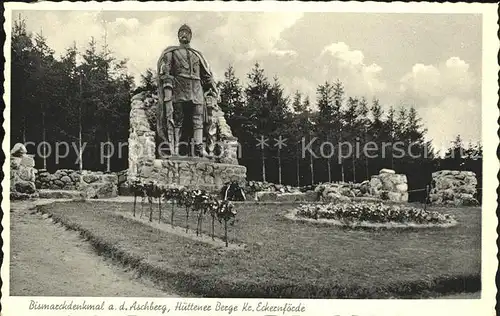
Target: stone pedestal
[(189, 172)]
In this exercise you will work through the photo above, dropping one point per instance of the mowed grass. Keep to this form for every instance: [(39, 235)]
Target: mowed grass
[(284, 258)]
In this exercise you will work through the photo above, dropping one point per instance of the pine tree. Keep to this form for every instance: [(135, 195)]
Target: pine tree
[(389, 134), (280, 118), (22, 67), (351, 130), (338, 121), (297, 104), (231, 93), (148, 82), (257, 114), (326, 118), (45, 90)]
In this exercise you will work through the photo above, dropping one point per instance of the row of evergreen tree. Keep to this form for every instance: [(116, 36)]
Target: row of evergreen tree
[(87, 103), (80, 99)]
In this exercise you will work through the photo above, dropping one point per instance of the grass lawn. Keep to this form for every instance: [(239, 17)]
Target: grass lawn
[(290, 259)]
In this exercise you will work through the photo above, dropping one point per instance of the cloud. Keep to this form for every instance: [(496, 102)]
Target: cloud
[(450, 117), (343, 54), (140, 43), (360, 79), (430, 82), (284, 52), (80, 26), (448, 99), (248, 37)]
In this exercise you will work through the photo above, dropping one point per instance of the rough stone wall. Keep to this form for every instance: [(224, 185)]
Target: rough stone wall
[(453, 187), (62, 179), (388, 185), (141, 141), (22, 174), (229, 144), (92, 184), (193, 173)]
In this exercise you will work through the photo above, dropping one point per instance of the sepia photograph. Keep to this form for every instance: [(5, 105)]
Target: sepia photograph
[(207, 153)]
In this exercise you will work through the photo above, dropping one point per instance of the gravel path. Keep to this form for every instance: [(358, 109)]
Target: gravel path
[(48, 260)]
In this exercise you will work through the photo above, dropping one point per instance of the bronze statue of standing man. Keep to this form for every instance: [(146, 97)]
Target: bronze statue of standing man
[(184, 79)]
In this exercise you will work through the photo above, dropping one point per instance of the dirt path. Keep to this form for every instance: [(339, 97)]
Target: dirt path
[(48, 260)]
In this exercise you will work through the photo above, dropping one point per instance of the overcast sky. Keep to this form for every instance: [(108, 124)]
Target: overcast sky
[(431, 61)]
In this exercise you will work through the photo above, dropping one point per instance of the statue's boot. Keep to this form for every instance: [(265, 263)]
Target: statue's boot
[(199, 148)]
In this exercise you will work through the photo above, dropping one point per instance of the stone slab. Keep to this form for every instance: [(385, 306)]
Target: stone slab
[(190, 173)]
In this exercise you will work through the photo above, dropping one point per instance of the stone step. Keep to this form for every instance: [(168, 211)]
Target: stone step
[(59, 194)]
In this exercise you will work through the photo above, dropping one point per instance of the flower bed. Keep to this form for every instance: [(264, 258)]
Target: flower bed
[(372, 215)]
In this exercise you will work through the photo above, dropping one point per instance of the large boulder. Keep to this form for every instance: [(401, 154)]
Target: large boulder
[(389, 171), (18, 150), (26, 187), (99, 190), (454, 187), (22, 174), (389, 185)]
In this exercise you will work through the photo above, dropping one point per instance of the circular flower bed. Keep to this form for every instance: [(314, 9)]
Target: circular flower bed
[(371, 215)]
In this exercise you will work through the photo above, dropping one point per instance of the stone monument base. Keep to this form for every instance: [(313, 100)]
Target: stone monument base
[(193, 173)]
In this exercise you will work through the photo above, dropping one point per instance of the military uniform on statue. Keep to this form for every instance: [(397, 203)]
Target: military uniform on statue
[(185, 86)]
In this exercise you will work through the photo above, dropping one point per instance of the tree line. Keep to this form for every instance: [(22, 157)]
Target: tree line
[(80, 99), (397, 135), (83, 98)]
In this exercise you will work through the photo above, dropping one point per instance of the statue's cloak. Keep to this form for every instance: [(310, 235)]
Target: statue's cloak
[(161, 113)]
